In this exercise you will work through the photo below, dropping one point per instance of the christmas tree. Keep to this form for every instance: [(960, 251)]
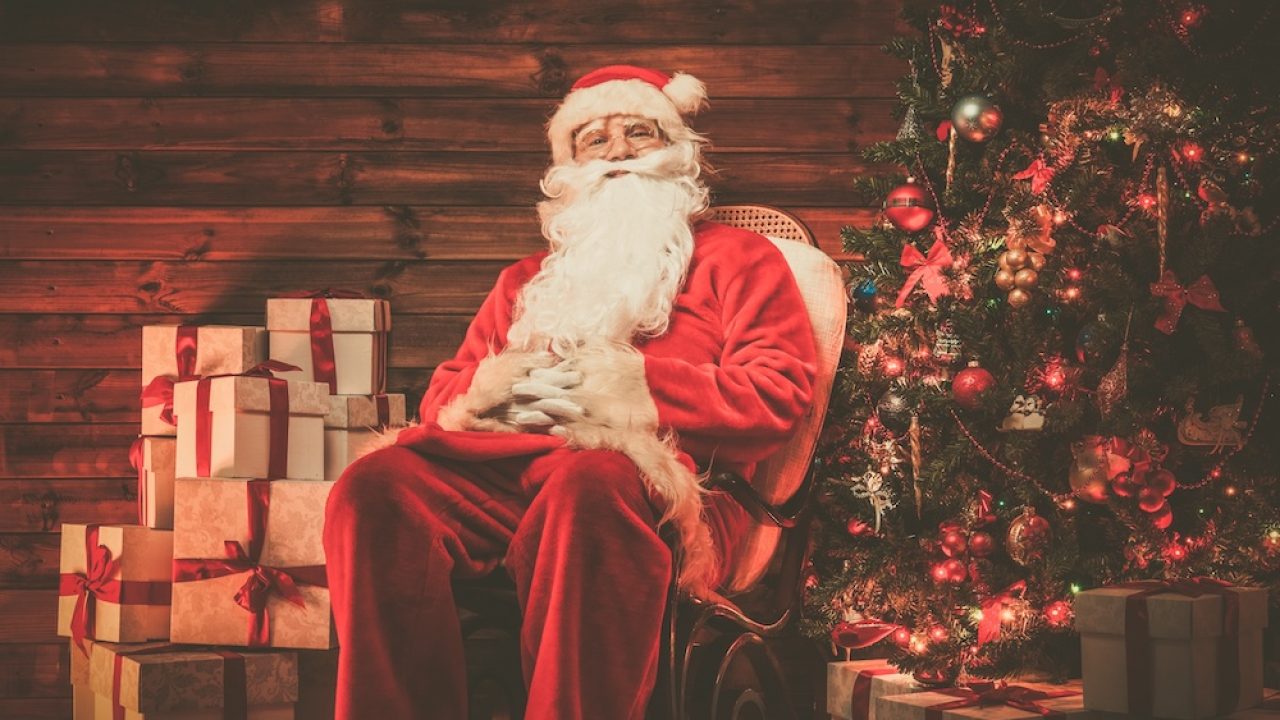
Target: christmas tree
[(1059, 366)]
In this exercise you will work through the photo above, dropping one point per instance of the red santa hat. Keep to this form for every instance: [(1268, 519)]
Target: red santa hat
[(624, 90)]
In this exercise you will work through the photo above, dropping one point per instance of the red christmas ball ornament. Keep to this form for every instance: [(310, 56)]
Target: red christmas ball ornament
[(956, 571), (909, 207), (971, 385), (1163, 517), (1029, 536), (1150, 500), (1162, 481), (939, 572), (981, 544), (1058, 613), (953, 542)]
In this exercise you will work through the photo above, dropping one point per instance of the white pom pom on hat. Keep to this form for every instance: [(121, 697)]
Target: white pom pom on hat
[(623, 90)]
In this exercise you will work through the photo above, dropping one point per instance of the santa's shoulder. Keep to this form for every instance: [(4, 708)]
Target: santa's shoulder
[(718, 243), (520, 271)]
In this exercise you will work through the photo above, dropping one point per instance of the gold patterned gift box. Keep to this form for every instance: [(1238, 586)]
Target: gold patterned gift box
[(1189, 649), (171, 352), (250, 427), (157, 680), (340, 341), (249, 567), (114, 583), (352, 427)]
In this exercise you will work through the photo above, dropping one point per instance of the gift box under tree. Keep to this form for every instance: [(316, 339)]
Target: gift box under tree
[(986, 701), (352, 425), (114, 583), (339, 341), (181, 352), (1184, 649), (249, 566), (251, 426), (854, 685)]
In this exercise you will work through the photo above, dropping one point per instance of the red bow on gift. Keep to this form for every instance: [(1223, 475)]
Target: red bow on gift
[(1200, 293), (926, 270), (989, 694), (93, 583), (160, 390), (1038, 173)]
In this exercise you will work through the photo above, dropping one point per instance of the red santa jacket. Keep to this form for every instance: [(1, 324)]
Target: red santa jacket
[(731, 375)]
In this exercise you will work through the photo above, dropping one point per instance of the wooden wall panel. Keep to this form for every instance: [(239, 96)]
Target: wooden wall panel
[(180, 162)]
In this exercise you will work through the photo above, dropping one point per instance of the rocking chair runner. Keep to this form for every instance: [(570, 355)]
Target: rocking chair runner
[(717, 661)]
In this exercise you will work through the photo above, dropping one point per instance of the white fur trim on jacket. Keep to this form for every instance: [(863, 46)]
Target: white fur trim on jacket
[(684, 94)]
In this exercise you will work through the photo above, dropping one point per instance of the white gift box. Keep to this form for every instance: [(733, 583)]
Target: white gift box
[(140, 610), (155, 494), (220, 350), (844, 681), (240, 428), (1183, 634), (359, 337), (352, 426), (916, 706)]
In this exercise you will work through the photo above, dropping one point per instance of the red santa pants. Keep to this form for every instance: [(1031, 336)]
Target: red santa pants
[(577, 530)]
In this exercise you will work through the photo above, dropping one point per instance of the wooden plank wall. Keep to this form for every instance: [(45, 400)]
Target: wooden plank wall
[(164, 162)]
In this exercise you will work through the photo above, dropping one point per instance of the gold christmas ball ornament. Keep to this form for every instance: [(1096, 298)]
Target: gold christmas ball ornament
[(1025, 278), (1036, 260), (1019, 297), (1005, 279), (1016, 258), (1029, 537)]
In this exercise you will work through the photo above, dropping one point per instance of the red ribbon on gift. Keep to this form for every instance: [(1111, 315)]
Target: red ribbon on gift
[(1137, 639), (991, 694), (135, 462), (323, 359), (1200, 293), (926, 270), (97, 583), (263, 580), (860, 705), (383, 404), (160, 390), (277, 411)]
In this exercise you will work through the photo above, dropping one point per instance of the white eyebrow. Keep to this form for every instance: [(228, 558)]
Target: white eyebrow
[(596, 124)]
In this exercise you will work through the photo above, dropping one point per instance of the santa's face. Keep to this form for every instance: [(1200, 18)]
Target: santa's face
[(618, 221)]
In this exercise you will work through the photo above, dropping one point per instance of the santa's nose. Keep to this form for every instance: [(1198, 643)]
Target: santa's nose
[(619, 149)]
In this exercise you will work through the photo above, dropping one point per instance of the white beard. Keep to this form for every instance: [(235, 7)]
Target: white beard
[(620, 247)]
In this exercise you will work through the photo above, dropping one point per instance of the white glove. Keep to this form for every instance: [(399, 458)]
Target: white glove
[(542, 401)]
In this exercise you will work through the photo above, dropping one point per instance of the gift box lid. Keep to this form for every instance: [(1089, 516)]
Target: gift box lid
[(1102, 612), (159, 677), (345, 314), (251, 394), (361, 411), (220, 348)]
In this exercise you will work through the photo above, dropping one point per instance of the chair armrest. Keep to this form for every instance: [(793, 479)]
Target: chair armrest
[(783, 515)]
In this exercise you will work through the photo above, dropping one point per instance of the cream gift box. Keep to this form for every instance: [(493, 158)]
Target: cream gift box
[(853, 686), (239, 426), (168, 681), (182, 351), (918, 706), (1182, 650), (282, 537), (124, 572), (352, 425), (357, 336), (155, 482)]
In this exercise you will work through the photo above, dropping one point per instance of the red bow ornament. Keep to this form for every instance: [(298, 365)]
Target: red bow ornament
[(1200, 293), (926, 271), (1038, 173)]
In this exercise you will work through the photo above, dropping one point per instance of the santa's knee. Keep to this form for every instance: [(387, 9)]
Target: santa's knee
[(593, 485), (369, 493)]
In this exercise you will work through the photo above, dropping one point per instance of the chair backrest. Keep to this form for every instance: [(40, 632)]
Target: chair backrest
[(822, 287)]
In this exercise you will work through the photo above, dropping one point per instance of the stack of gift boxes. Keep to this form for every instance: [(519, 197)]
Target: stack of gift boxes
[(216, 603), (1182, 650)]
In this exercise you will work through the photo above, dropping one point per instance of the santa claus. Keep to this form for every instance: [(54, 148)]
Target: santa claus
[(597, 381)]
